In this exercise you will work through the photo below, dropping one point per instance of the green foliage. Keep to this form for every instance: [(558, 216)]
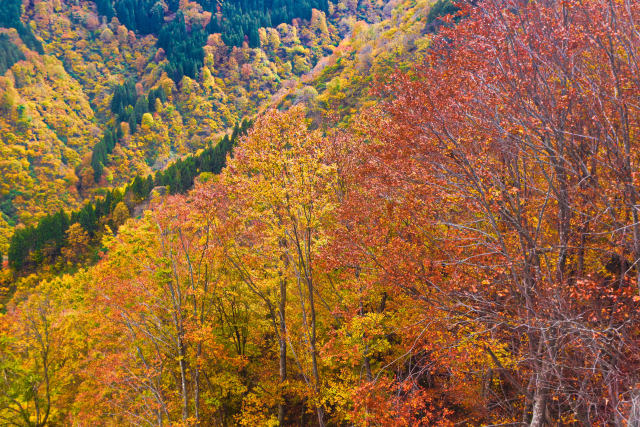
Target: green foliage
[(123, 96), (48, 235), (129, 107), (7, 208), (240, 19), (27, 244), (180, 175), (440, 9), (142, 16), (20, 246), (105, 7), (9, 54), (86, 217), (183, 48), (99, 156), (141, 107), (10, 11), (154, 94)]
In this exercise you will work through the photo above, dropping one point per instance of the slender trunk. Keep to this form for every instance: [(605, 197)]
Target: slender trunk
[(613, 392), (564, 208), (183, 378), (314, 350), (283, 346), (196, 366), (312, 310), (178, 321), (43, 341), (283, 325), (366, 363), (196, 383), (305, 276)]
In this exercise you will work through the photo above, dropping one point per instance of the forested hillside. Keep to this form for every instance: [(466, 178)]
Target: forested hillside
[(430, 219), (66, 139)]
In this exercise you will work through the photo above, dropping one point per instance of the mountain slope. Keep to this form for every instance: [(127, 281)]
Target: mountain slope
[(77, 54)]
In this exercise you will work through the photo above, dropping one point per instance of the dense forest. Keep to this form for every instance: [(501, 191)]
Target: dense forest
[(142, 16), (46, 241), (10, 12), (236, 20), (239, 20), (61, 108), (183, 48), (429, 216), (9, 54)]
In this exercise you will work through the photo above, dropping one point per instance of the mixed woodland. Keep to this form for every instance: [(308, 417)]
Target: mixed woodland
[(308, 213)]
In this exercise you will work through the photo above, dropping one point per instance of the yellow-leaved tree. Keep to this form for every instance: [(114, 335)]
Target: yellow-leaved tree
[(276, 203)]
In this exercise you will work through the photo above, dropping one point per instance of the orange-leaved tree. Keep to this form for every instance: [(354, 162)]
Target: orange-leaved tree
[(508, 161)]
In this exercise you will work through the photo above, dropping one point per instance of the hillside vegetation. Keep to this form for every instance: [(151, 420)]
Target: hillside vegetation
[(431, 219), (63, 62)]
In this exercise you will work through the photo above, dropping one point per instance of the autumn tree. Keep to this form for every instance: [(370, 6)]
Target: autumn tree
[(278, 207), (166, 340), (77, 244), (120, 215), (506, 161), (40, 354)]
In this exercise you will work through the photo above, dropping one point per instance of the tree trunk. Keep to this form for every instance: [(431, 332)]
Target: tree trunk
[(539, 402), (283, 346), (314, 350), (196, 383), (183, 379)]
